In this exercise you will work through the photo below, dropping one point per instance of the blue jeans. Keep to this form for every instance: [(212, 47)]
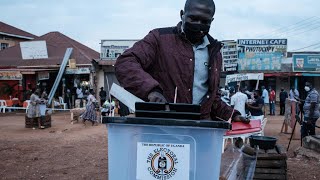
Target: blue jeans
[(272, 108)]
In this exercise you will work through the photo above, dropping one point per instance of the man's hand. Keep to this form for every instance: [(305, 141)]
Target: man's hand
[(241, 119), (156, 97)]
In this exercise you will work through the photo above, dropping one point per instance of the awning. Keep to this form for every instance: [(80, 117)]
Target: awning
[(310, 74), (282, 74)]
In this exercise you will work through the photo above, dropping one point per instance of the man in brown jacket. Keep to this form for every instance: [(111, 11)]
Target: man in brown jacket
[(185, 57)]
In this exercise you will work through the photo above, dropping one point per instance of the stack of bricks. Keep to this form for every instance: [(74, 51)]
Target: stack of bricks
[(271, 164)]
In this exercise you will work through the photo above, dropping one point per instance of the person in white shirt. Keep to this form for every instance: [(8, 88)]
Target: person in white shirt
[(295, 96), (294, 93), (265, 97), (238, 101), (80, 95)]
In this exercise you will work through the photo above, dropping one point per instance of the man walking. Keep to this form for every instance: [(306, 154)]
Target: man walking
[(311, 111), (103, 96), (283, 96)]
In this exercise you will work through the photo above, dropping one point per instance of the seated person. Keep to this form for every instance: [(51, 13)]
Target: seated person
[(56, 103), (255, 107), (107, 107)]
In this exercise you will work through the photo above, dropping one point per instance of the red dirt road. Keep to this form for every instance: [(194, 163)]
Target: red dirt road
[(72, 151)]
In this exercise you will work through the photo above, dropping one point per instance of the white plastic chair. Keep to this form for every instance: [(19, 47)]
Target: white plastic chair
[(3, 105), (62, 103), (28, 102)]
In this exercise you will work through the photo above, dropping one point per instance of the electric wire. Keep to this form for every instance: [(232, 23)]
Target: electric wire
[(302, 23), (316, 44)]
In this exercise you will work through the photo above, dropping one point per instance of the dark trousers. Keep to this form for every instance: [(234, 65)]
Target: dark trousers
[(282, 108), (308, 129), (102, 101), (81, 102)]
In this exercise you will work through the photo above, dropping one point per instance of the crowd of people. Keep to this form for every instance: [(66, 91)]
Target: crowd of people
[(255, 103), (38, 106)]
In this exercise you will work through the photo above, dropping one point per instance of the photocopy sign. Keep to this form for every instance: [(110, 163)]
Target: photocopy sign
[(261, 54), (162, 161), (112, 49), (306, 62)]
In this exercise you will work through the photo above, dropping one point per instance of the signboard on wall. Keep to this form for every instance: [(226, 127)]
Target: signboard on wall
[(43, 76), (112, 49), (10, 75), (229, 56), (306, 62), (261, 54), (244, 77), (34, 50), (85, 70)]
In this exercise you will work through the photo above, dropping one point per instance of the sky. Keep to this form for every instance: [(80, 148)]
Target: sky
[(91, 21)]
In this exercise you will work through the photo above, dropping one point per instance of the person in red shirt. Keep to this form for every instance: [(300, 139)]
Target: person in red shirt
[(272, 101)]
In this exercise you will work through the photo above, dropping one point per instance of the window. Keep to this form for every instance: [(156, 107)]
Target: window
[(4, 46)]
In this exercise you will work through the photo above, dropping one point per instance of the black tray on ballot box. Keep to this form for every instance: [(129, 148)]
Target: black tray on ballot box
[(168, 110)]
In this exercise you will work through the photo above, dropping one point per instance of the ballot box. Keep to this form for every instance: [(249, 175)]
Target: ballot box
[(168, 145)]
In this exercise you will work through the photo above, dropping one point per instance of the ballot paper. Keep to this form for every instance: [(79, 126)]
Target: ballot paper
[(124, 96)]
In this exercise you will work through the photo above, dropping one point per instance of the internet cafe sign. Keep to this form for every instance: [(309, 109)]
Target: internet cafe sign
[(10, 75), (261, 54), (163, 161), (306, 62)]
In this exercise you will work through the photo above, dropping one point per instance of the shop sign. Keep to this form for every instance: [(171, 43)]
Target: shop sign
[(306, 62), (43, 75), (34, 50), (163, 161), (229, 56), (78, 71), (244, 77), (10, 75), (261, 54), (112, 49)]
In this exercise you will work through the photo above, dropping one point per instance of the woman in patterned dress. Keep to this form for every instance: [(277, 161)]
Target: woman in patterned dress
[(90, 113), (34, 108)]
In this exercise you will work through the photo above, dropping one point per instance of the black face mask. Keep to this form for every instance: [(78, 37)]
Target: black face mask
[(256, 97), (195, 32)]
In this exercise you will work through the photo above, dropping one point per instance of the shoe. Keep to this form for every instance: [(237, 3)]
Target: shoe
[(34, 128)]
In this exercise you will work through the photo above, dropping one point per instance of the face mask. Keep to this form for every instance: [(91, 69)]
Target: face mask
[(195, 32), (307, 88), (256, 97)]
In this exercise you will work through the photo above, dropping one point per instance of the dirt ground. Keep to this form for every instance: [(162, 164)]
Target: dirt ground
[(72, 151)]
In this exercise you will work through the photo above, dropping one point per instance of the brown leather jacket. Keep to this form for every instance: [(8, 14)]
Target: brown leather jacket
[(164, 60)]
